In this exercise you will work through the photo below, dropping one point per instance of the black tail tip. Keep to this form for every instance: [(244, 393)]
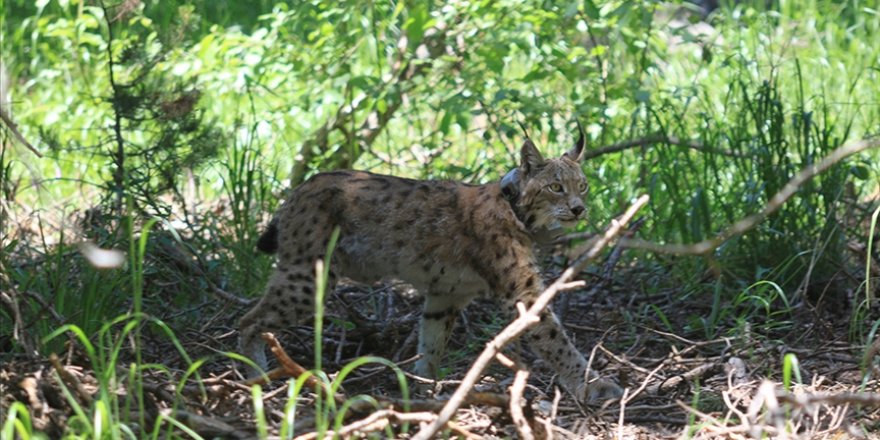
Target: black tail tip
[(268, 241)]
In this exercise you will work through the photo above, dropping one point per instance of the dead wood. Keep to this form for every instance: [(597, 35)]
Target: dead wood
[(207, 427), (805, 400), (655, 139), (381, 419), (13, 128), (523, 424), (71, 380), (749, 222)]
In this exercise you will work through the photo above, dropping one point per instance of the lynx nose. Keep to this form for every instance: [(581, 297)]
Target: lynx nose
[(577, 210)]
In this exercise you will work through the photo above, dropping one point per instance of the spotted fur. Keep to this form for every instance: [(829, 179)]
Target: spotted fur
[(452, 241)]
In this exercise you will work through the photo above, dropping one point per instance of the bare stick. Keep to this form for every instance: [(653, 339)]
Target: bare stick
[(16, 134), (290, 366), (525, 321), (620, 417), (378, 420), (749, 222), (803, 400), (70, 379), (516, 405), (655, 139)]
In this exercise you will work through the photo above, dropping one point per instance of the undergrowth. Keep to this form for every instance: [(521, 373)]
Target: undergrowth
[(214, 120)]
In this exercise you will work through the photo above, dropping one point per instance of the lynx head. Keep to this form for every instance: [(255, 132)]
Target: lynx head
[(548, 193)]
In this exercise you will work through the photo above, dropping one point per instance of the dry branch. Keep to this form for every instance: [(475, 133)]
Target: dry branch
[(516, 405), (17, 134), (805, 400), (288, 368), (655, 139), (526, 320), (378, 420), (71, 380), (207, 427), (749, 222), (18, 324)]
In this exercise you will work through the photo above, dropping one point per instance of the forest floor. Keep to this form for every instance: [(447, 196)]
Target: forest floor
[(678, 385)]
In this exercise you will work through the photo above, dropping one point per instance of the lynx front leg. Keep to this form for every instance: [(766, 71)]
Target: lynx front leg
[(549, 341), (547, 338), (438, 320)]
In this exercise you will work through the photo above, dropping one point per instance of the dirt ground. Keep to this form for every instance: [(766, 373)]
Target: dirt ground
[(678, 384)]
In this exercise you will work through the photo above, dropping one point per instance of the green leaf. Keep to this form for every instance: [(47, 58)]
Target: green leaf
[(591, 10), (860, 172), (419, 21)]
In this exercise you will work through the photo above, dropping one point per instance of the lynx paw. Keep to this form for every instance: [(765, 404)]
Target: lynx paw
[(598, 390)]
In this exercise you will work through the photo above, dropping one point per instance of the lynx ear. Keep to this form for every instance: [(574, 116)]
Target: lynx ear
[(530, 158), (577, 151), (510, 185)]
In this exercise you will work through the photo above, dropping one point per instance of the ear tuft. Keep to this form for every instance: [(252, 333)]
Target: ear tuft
[(577, 151), (530, 158)]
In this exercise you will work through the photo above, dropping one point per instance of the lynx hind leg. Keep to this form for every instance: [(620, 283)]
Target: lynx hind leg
[(437, 323), (287, 301)]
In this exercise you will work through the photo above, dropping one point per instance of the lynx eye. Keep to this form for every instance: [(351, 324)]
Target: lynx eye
[(555, 187), (583, 187)]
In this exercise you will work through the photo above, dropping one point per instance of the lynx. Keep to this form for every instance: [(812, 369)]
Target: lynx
[(452, 241)]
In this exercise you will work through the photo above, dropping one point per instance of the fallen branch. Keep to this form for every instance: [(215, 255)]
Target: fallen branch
[(379, 420), (607, 269), (655, 139), (288, 368), (18, 324), (17, 134), (674, 382), (71, 380), (613, 258), (207, 427), (804, 400), (706, 246), (523, 428), (526, 320)]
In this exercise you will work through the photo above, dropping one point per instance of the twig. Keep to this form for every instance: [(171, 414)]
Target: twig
[(803, 400), (70, 379), (638, 391), (525, 321), (516, 405), (655, 139), (18, 333), (607, 269), (613, 258), (378, 420), (16, 134), (675, 381), (205, 426), (620, 418), (749, 222), (289, 365), (434, 405)]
